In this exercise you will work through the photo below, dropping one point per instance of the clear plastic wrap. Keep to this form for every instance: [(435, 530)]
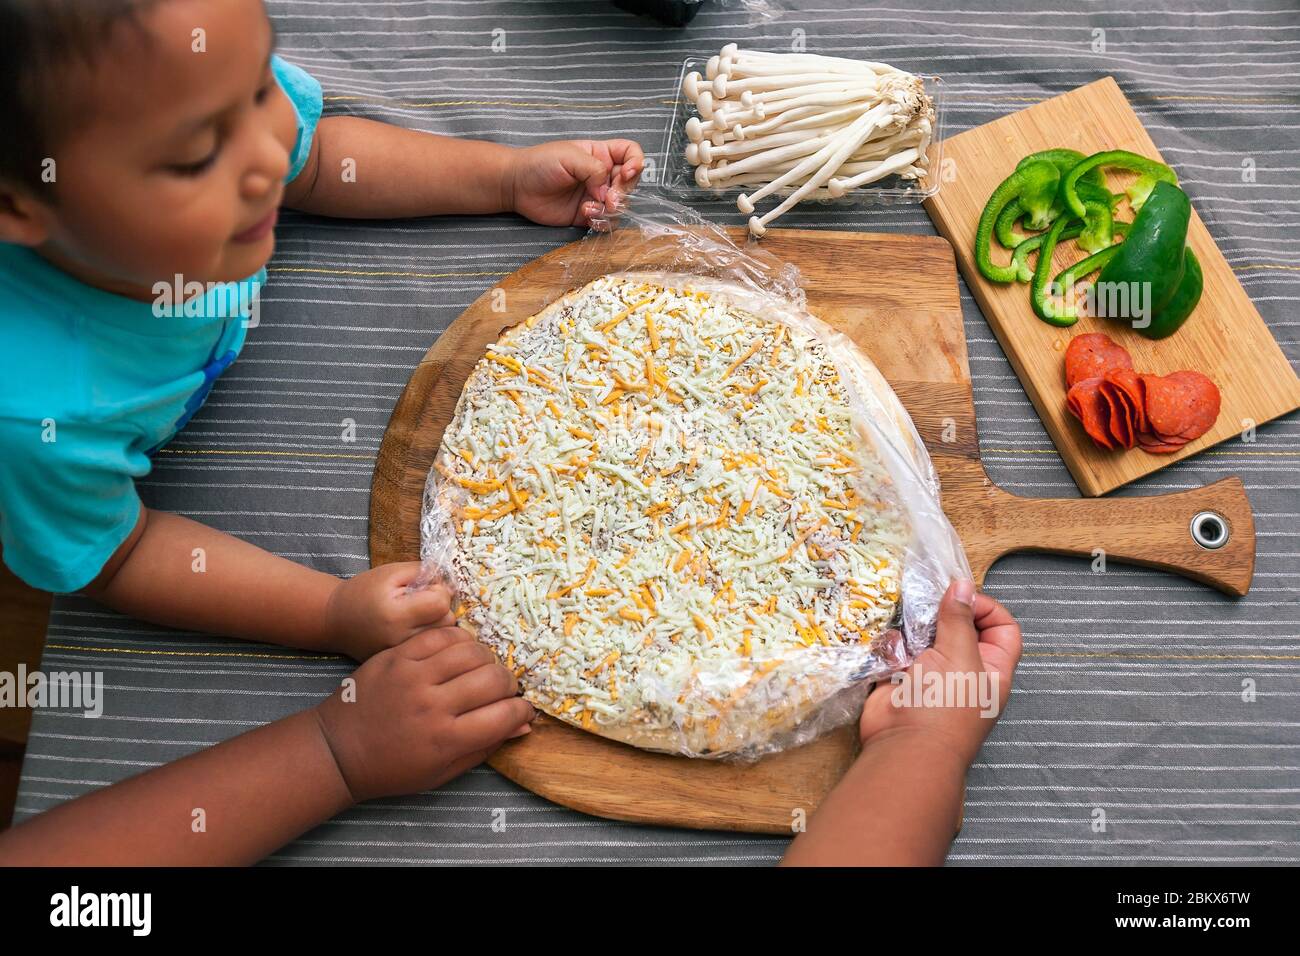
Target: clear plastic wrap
[(759, 620)]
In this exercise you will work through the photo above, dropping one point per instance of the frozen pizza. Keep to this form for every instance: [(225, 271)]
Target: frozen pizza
[(661, 509)]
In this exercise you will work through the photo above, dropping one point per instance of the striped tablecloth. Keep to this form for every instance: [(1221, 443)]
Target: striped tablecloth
[(1129, 701)]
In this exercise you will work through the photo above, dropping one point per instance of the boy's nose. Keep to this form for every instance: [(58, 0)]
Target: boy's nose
[(257, 184), (269, 167)]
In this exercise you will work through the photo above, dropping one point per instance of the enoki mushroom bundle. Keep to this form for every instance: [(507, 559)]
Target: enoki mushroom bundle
[(803, 126)]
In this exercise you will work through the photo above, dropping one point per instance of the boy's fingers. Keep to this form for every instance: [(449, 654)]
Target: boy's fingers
[(997, 629), (590, 169), (467, 762), (626, 153), (488, 726), (989, 613), (1001, 646), (955, 635), (425, 607), (400, 574), (459, 658), (427, 643), (479, 687)]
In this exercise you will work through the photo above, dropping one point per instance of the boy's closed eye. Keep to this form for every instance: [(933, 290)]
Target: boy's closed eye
[(214, 128), (198, 167)]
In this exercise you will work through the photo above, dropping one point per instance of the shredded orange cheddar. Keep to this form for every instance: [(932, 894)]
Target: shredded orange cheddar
[(758, 344), (802, 537), (508, 361)]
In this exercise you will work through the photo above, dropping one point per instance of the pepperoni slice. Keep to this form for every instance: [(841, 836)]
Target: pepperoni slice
[(1180, 405), (1119, 421), (1129, 383), (1158, 446), (1086, 402), (1092, 355)]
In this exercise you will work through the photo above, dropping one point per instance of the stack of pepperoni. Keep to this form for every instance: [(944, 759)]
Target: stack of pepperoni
[(1121, 408)]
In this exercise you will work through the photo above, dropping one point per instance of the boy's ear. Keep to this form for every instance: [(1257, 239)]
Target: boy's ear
[(24, 220)]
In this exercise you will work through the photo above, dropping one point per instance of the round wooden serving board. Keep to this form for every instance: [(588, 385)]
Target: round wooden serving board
[(896, 296)]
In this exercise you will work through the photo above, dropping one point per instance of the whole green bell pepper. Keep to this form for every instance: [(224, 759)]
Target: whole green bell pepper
[(1138, 283), (1169, 319)]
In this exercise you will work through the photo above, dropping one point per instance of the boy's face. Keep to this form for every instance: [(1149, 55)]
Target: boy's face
[(175, 162)]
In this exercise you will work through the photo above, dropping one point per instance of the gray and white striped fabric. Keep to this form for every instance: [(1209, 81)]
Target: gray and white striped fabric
[(1129, 704)]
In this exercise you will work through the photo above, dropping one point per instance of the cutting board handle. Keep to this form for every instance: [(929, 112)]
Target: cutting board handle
[(1155, 531)]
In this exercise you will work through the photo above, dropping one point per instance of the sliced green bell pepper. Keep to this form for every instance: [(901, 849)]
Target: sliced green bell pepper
[(1034, 185), (1040, 292), (1005, 227), (1020, 256), (1150, 172), (1097, 233), (1069, 277)]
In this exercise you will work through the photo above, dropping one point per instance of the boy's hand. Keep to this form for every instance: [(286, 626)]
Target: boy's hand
[(420, 714), (566, 182), (975, 635), (373, 610)]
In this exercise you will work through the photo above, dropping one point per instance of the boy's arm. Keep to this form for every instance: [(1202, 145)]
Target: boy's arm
[(359, 169), (898, 805), (900, 802), (255, 793), (180, 573), (416, 715)]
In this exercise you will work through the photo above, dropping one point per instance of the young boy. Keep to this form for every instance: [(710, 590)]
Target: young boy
[(149, 139), (144, 140)]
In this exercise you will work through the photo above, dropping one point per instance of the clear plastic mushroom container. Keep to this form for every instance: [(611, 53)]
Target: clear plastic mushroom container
[(680, 177)]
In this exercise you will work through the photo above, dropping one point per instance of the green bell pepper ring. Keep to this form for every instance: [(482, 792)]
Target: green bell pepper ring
[(1020, 256), (1097, 233), (1138, 192), (1034, 184), (1040, 293), (1098, 227), (1139, 282), (1169, 319), (1039, 190), (1064, 160), (1005, 227), (1069, 277)]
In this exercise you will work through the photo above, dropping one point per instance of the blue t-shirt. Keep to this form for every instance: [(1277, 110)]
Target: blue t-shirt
[(92, 383)]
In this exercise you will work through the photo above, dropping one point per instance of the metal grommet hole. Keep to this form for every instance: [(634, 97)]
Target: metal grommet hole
[(1210, 530)]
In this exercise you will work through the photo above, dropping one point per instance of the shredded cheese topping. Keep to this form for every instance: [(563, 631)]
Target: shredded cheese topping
[(662, 515)]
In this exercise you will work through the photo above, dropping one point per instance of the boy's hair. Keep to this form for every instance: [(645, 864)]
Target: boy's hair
[(37, 39)]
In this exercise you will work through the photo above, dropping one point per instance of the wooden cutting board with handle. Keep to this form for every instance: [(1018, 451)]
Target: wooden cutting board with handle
[(1225, 337), (897, 297)]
